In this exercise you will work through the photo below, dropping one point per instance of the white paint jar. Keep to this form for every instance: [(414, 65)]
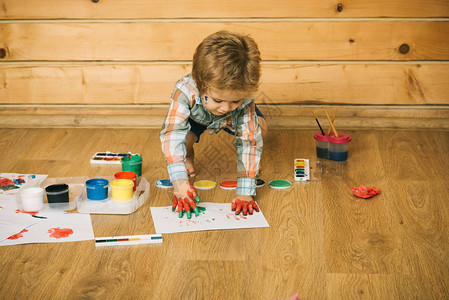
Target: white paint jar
[(32, 199)]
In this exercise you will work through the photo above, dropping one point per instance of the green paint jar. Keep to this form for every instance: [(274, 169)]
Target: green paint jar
[(132, 163)]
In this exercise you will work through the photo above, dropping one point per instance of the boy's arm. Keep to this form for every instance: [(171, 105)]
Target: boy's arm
[(173, 135), (249, 145)]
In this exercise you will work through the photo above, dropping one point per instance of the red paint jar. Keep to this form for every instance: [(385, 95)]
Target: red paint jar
[(127, 175)]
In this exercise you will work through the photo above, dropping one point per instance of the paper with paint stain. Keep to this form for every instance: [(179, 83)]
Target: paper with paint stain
[(57, 227), (10, 185), (12, 222), (213, 216)]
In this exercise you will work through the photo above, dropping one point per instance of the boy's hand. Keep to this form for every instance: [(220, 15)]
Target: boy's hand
[(184, 197), (245, 204)]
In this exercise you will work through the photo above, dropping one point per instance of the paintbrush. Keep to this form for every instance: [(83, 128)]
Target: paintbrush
[(316, 119), (333, 118), (330, 121)]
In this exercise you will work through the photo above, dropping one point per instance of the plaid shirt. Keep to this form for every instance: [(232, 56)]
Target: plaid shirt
[(186, 103)]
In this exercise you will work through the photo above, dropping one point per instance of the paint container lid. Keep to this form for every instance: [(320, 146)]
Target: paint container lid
[(57, 189), (122, 183), (96, 182), (205, 184), (260, 183), (164, 184), (125, 175), (320, 137), (228, 184), (341, 139), (280, 184)]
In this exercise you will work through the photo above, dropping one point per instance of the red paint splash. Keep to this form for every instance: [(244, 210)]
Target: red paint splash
[(6, 181), (17, 235), (236, 217), (187, 223), (26, 212), (191, 222), (59, 233)]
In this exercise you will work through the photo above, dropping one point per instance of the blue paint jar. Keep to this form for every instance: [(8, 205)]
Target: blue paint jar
[(97, 189)]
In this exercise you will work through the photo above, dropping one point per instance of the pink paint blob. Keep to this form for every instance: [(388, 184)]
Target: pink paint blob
[(17, 235), (59, 233)]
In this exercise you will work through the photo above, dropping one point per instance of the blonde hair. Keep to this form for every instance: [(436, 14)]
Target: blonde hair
[(227, 61)]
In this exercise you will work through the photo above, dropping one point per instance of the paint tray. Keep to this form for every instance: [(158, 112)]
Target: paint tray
[(110, 206), (76, 186), (109, 158)]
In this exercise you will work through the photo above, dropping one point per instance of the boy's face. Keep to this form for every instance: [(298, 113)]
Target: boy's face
[(220, 102)]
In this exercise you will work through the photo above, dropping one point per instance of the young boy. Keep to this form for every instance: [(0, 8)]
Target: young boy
[(217, 95)]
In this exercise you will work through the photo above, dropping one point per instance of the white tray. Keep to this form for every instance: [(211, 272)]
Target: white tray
[(76, 185), (110, 206)]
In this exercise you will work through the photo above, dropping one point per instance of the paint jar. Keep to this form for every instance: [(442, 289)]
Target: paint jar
[(97, 189), (32, 199), (322, 145), (122, 189), (339, 147), (57, 193), (127, 175), (132, 163)]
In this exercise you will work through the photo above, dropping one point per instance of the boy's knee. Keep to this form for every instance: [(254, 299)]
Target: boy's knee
[(191, 140)]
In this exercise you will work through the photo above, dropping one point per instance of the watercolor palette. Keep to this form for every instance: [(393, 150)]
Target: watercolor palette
[(302, 169), (128, 240), (110, 206), (109, 158)]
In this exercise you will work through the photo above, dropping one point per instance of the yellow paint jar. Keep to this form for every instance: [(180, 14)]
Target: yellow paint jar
[(122, 189)]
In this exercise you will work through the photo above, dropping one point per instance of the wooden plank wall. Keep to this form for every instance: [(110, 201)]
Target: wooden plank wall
[(88, 63)]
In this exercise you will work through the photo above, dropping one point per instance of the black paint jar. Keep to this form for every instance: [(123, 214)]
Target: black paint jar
[(57, 193)]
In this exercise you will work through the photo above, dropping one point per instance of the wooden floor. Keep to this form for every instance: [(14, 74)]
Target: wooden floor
[(322, 242)]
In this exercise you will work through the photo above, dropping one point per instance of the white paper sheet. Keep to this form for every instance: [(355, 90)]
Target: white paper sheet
[(216, 216), (12, 222), (9, 191), (58, 227)]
